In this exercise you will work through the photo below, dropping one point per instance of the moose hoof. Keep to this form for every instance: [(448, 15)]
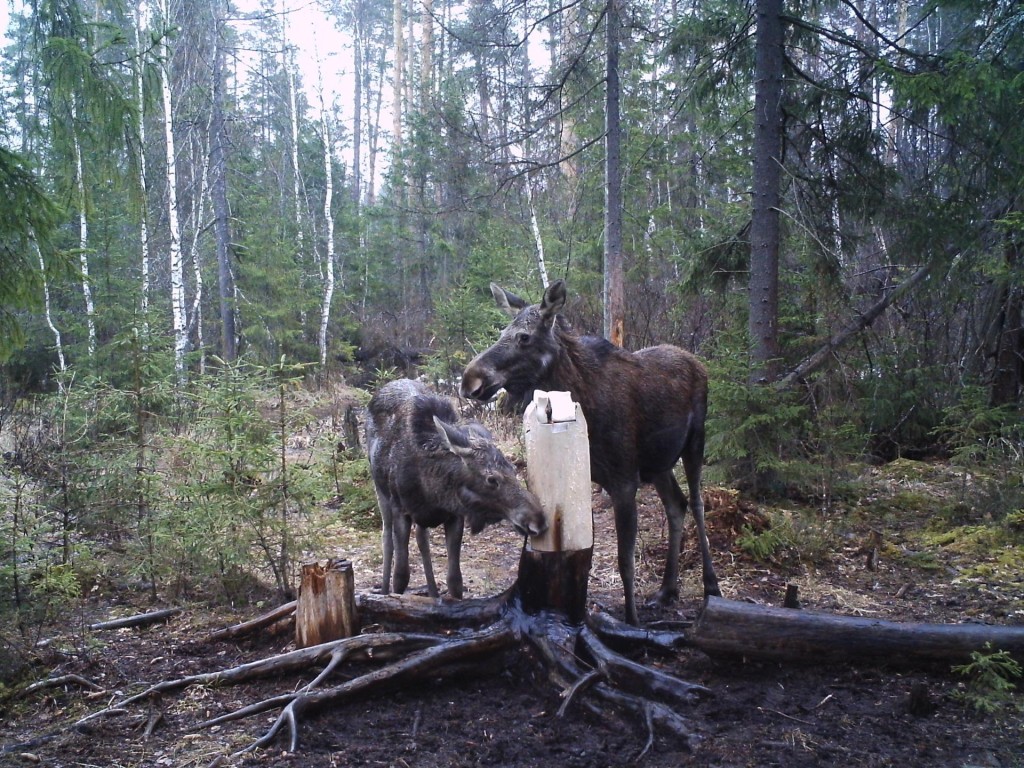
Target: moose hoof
[(664, 596)]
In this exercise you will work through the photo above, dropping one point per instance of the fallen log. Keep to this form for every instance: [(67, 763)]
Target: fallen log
[(138, 620), (732, 628)]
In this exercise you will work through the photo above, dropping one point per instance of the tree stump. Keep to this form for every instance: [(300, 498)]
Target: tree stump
[(554, 567), (326, 608)]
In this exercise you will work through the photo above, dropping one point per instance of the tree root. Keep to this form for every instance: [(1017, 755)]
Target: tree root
[(422, 664), (590, 675)]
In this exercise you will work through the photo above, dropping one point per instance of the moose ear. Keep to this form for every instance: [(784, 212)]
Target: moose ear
[(553, 301), (507, 302), (453, 438)]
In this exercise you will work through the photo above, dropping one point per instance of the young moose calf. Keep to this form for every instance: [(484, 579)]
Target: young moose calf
[(430, 470)]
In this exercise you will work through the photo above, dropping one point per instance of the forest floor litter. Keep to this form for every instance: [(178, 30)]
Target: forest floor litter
[(758, 715)]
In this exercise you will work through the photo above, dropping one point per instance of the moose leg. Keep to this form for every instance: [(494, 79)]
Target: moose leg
[(423, 543), (402, 526), (387, 537), (693, 459), (624, 501), (453, 543), (675, 510)]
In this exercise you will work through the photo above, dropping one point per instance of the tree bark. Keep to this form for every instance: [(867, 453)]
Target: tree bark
[(732, 628), (174, 228), (326, 608), (328, 287), (763, 296), (140, 103), (83, 237), (614, 292), (219, 191)]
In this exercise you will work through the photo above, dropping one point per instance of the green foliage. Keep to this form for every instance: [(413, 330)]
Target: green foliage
[(902, 411), (766, 545), (990, 441), (978, 433), (204, 491), (989, 682), (790, 539), (27, 220), (751, 428), (355, 497)]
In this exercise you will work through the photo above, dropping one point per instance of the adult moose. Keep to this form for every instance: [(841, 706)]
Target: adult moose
[(431, 470), (645, 410)]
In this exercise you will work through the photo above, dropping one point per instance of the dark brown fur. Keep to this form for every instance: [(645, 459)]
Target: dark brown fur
[(645, 410)]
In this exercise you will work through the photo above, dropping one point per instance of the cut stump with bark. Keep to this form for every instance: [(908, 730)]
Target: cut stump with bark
[(326, 608)]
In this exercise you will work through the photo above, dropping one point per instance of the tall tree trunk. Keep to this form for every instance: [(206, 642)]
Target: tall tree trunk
[(83, 238), (764, 228), (328, 295), (219, 192), (542, 267), (201, 160), (57, 343), (357, 106), (426, 52), (398, 84), (140, 102), (174, 228), (614, 292), (374, 126), (289, 65), (288, 62)]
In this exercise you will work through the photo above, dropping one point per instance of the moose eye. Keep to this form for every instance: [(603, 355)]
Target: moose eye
[(523, 339), (492, 481)]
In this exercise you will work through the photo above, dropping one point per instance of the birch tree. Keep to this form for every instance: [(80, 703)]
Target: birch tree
[(328, 289), (179, 322), (614, 273), (83, 235), (141, 17)]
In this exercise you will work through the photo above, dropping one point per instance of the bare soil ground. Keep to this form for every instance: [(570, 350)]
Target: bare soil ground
[(758, 715)]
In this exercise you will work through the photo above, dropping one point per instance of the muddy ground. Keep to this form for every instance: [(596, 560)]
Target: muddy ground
[(757, 714)]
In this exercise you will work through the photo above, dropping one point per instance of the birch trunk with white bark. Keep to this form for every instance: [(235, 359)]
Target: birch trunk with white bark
[(140, 15), (57, 343), (177, 273), (83, 241), (328, 296)]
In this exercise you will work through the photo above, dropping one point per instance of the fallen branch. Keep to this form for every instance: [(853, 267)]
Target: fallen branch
[(866, 318), (253, 625), (139, 620), (63, 680)]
